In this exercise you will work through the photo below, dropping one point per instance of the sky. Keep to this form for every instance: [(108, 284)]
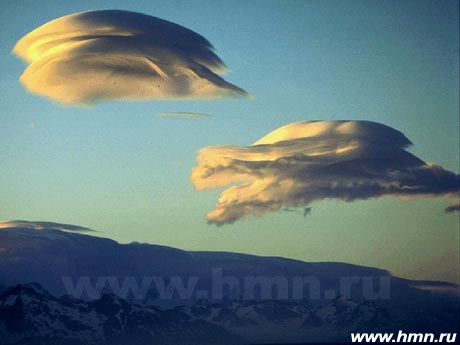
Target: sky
[(123, 169)]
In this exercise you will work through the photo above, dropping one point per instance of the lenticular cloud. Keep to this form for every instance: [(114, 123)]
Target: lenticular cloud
[(24, 224), (114, 54), (304, 162)]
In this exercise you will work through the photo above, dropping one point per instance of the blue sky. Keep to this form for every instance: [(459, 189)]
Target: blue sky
[(121, 169)]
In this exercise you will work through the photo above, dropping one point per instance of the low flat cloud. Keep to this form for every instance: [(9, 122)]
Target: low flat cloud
[(113, 54), (185, 115), (16, 224), (305, 162)]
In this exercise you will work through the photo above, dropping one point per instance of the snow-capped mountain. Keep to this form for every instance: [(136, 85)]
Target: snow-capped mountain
[(84, 266), (30, 315), (97, 291)]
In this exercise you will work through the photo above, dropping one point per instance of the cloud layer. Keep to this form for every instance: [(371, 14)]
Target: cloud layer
[(11, 224), (114, 54), (184, 115), (304, 162)]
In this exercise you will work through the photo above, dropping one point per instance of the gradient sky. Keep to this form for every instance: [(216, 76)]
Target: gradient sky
[(123, 170)]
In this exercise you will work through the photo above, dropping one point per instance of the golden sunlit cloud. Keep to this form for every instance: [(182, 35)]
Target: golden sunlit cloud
[(185, 115), (304, 162), (113, 54)]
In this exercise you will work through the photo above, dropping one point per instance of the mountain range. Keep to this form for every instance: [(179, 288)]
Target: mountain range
[(68, 287)]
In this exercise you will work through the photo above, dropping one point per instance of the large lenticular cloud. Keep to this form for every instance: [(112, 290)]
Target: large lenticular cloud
[(304, 162), (25, 224), (113, 54)]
